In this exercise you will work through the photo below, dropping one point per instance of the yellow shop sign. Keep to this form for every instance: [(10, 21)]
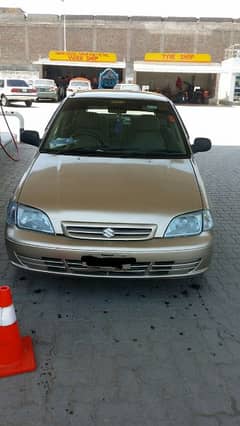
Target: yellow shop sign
[(177, 57), (73, 56)]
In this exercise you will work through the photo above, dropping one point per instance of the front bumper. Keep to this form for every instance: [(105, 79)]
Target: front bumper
[(155, 258)]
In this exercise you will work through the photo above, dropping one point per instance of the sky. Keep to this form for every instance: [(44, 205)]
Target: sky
[(180, 8)]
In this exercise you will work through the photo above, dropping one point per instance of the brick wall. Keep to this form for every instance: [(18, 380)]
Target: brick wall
[(24, 39)]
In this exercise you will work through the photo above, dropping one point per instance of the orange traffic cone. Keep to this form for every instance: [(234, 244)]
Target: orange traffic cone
[(16, 352)]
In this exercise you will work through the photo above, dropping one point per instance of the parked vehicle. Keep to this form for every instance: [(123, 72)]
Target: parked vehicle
[(16, 90), (77, 85), (46, 89), (114, 191), (127, 86)]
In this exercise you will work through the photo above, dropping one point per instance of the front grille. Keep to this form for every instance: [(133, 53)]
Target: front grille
[(116, 232), (137, 269)]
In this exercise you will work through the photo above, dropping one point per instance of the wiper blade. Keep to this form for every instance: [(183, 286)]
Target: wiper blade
[(138, 154), (113, 152), (77, 151)]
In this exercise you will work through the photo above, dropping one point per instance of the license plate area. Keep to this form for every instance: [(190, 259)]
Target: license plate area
[(108, 262)]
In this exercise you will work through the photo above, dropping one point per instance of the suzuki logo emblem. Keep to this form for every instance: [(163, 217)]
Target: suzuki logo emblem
[(108, 233)]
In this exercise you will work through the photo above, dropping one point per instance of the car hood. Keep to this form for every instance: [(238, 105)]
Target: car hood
[(111, 190)]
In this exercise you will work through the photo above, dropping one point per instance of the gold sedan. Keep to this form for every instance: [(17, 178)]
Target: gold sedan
[(114, 191)]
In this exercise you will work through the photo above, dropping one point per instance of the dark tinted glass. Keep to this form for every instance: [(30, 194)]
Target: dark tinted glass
[(17, 83)]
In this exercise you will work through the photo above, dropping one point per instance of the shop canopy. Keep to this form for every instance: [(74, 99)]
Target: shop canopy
[(89, 64), (177, 68)]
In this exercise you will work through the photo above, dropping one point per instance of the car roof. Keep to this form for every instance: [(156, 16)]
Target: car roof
[(112, 94), (13, 78), (43, 79), (79, 79)]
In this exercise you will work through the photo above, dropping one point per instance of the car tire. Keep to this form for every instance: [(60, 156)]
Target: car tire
[(28, 103), (4, 101)]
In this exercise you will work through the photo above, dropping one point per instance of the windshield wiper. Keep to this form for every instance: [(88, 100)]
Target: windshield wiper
[(137, 154), (65, 150), (75, 151)]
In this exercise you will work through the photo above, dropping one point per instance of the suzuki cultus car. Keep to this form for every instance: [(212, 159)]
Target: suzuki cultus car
[(113, 191)]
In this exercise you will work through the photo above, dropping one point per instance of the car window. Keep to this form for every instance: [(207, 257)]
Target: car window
[(132, 87), (79, 84), (44, 82), (18, 83), (116, 127), (126, 86)]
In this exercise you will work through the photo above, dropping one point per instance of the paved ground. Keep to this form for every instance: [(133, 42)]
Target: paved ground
[(111, 352)]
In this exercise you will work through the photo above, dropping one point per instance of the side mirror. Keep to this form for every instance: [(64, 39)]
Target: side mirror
[(31, 137), (201, 145)]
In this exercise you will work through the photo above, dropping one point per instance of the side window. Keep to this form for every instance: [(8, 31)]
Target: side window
[(1, 83)]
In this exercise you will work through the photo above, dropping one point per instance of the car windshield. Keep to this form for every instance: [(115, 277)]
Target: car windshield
[(117, 128), (128, 87), (18, 83), (44, 82), (79, 84)]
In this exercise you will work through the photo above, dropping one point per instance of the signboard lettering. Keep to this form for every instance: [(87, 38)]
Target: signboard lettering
[(177, 57), (73, 56)]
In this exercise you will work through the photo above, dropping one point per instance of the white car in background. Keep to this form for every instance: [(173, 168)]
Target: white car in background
[(128, 86), (78, 84), (16, 90)]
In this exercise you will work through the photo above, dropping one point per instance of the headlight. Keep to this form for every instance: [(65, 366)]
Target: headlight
[(28, 218), (189, 224)]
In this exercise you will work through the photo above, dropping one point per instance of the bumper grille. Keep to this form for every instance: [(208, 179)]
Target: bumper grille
[(116, 232), (138, 269)]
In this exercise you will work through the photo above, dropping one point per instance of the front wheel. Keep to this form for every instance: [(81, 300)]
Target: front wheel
[(28, 103), (4, 101)]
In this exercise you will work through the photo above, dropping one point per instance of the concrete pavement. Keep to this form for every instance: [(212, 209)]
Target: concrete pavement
[(132, 352)]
